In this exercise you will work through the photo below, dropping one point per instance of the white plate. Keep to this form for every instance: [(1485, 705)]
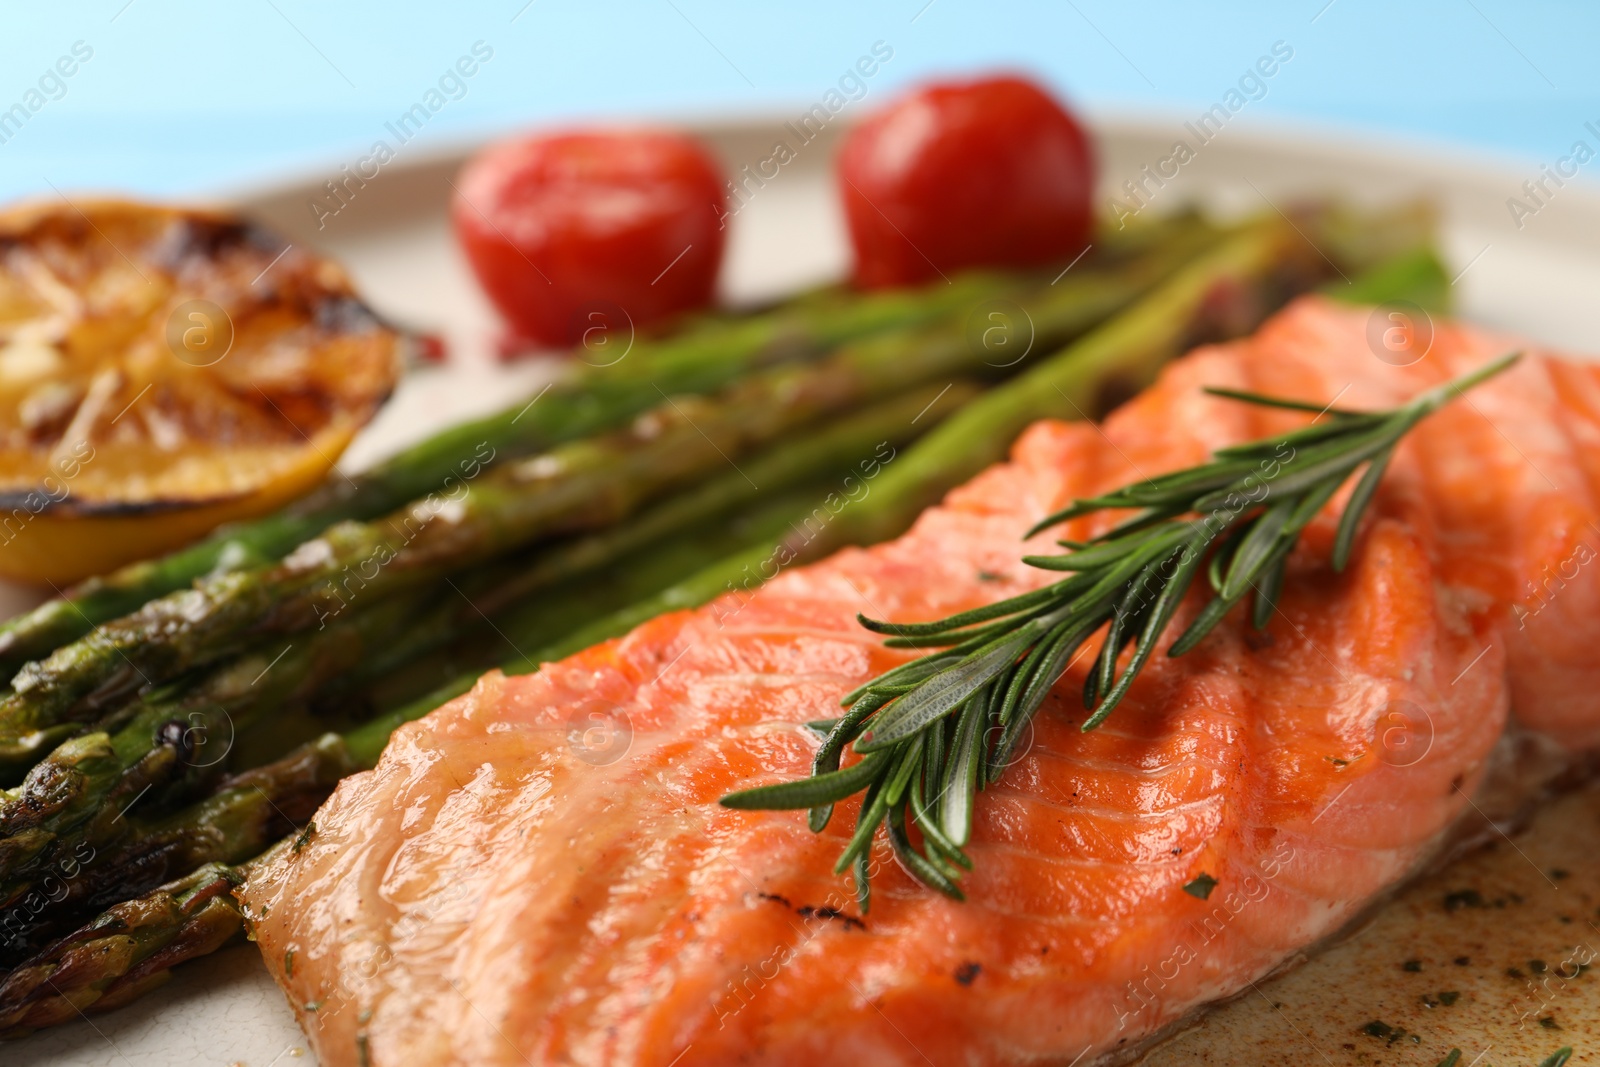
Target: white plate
[(1539, 280)]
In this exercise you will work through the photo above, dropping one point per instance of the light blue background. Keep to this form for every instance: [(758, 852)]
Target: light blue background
[(183, 96)]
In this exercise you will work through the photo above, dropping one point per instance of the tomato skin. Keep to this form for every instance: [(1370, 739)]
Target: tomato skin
[(992, 172), (557, 225)]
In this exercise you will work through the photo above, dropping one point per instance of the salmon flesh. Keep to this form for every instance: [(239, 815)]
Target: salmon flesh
[(540, 873)]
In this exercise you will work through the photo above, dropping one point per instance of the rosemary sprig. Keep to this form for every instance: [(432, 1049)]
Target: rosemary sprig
[(933, 732)]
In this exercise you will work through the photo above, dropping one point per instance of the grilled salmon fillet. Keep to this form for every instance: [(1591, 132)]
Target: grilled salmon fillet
[(539, 873)]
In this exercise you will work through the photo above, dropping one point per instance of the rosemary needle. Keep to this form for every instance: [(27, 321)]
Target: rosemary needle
[(933, 732)]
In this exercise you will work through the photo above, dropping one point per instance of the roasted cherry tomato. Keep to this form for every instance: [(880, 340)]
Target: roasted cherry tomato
[(573, 233), (965, 174)]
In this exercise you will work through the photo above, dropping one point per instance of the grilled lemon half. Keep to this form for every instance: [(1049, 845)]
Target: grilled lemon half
[(162, 371)]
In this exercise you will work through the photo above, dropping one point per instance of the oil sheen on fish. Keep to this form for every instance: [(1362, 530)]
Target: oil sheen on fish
[(540, 873)]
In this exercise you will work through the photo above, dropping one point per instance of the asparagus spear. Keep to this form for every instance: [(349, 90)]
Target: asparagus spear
[(73, 967), (589, 400), (708, 353), (1252, 273), (124, 953), (548, 625), (173, 744), (789, 463), (1229, 289), (1416, 276), (1225, 292), (580, 485)]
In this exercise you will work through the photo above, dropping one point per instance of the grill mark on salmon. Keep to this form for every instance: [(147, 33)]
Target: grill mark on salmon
[(485, 896)]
